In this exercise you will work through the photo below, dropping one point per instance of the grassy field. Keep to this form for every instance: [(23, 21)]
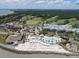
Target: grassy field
[(2, 38), (2, 35), (2, 30), (33, 22)]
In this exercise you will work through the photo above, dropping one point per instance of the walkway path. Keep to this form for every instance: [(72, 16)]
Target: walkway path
[(7, 54)]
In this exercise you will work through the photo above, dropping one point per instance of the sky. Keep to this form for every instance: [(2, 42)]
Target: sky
[(39, 4)]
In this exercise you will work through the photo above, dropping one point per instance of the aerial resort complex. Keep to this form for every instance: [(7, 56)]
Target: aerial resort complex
[(40, 31)]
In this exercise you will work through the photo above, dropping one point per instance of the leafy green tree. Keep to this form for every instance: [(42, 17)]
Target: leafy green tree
[(71, 35), (23, 21)]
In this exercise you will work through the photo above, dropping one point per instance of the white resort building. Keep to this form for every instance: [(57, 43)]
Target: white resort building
[(38, 42)]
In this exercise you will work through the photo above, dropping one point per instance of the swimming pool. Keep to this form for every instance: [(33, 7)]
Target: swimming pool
[(47, 39), (50, 40)]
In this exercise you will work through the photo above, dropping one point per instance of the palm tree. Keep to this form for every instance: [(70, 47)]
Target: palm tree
[(76, 36), (71, 35), (55, 31), (23, 37), (42, 22), (23, 21)]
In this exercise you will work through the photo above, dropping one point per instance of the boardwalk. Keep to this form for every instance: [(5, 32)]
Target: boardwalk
[(7, 54)]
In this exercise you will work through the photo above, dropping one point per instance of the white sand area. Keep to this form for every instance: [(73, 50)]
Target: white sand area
[(36, 45)]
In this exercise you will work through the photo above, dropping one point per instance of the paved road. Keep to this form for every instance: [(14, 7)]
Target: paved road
[(7, 54)]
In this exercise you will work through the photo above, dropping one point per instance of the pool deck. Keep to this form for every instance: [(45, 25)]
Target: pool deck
[(36, 45)]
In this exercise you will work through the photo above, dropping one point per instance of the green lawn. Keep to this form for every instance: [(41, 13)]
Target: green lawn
[(75, 23), (2, 30), (33, 22), (61, 22), (2, 38), (3, 35)]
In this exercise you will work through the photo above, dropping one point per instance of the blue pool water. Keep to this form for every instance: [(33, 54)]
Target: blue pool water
[(50, 40)]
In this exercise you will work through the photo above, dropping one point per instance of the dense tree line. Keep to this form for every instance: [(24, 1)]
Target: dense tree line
[(63, 14), (58, 16), (10, 18)]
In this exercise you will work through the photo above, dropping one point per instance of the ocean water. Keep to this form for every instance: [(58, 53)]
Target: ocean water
[(5, 12)]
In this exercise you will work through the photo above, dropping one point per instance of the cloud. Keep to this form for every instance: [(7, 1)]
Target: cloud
[(48, 1), (53, 2), (59, 1), (32, 1), (12, 1), (39, 3), (15, 1), (9, 1), (77, 2)]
